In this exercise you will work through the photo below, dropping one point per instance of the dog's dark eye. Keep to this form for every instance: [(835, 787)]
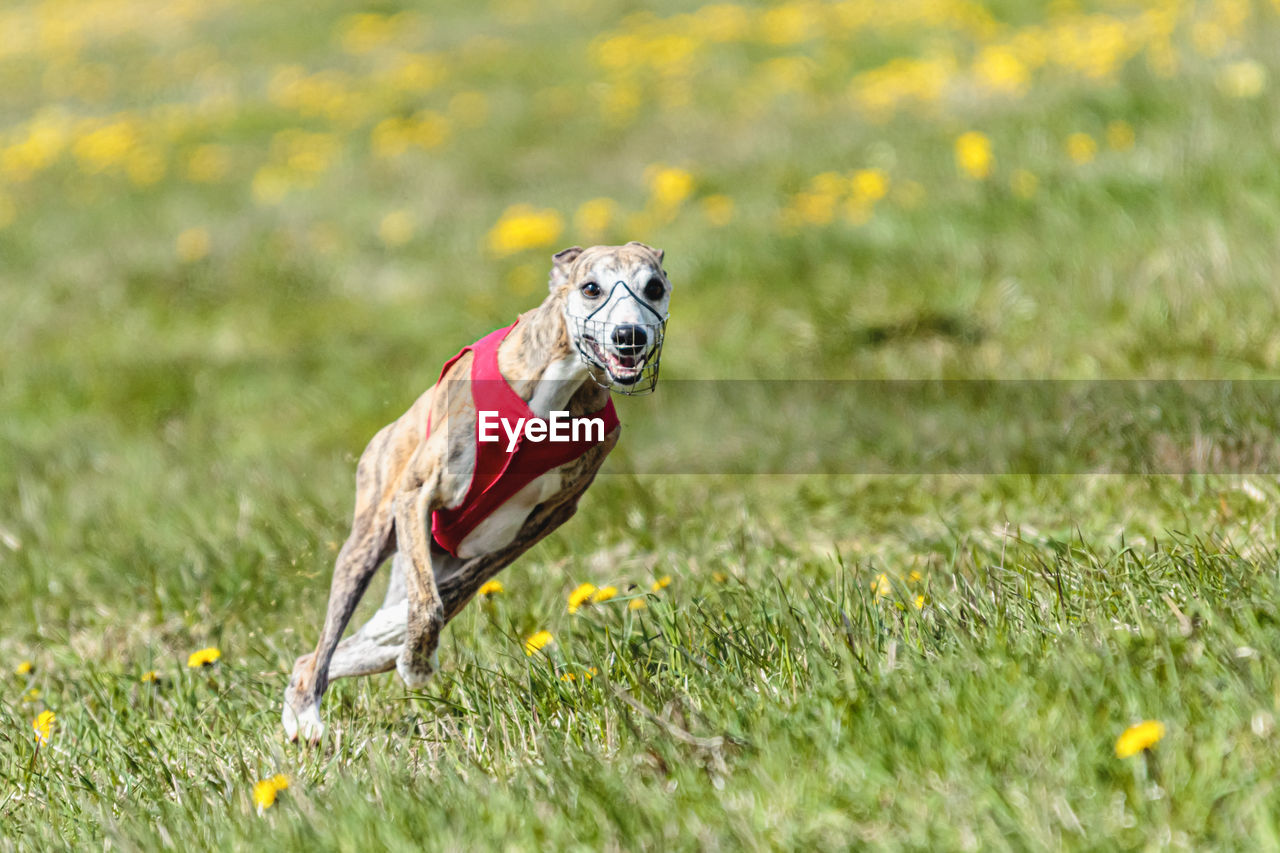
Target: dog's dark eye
[(591, 290), (653, 290)]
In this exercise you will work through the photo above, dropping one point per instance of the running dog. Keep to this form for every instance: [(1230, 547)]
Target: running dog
[(453, 499)]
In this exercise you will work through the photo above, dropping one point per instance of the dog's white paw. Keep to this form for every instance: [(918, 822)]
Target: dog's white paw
[(305, 723), (415, 678)]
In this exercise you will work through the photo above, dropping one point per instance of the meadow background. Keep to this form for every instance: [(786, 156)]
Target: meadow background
[(237, 238)]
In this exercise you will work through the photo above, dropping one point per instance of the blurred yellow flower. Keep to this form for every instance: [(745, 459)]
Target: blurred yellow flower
[(271, 184), (1120, 135), (814, 208), (880, 585), (493, 587), (1244, 79), (669, 186), (1081, 148), (396, 228), (718, 209), (919, 602), (973, 155), (32, 695), (719, 577), (522, 227), (580, 596), (106, 147), (915, 577), (364, 32), (536, 642), (604, 593), (586, 675), (204, 657), (661, 583), (43, 725), (149, 677), (1138, 737), (1000, 70), (870, 184), (192, 245), (1023, 183), (594, 217), (637, 604), (264, 792), (23, 668)]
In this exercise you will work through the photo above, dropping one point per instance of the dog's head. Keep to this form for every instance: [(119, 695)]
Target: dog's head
[(615, 302)]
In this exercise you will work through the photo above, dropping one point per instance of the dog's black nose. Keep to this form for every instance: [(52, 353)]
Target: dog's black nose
[(630, 340)]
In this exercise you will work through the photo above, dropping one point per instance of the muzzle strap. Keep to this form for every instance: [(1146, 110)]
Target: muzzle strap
[(610, 371)]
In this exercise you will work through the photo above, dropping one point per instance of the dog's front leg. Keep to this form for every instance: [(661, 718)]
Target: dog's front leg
[(417, 659)]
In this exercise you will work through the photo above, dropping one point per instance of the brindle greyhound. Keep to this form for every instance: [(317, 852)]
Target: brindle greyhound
[(600, 329)]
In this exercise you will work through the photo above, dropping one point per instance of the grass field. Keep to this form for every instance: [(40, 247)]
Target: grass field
[(237, 238)]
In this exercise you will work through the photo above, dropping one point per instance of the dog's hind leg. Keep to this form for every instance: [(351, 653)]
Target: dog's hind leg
[(417, 660), (370, 543), (375, 647)]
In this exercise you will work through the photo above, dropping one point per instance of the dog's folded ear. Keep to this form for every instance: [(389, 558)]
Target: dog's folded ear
[(661, 254), (560, 263)]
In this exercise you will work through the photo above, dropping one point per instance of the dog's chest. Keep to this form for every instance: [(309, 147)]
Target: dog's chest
[(502, 526)]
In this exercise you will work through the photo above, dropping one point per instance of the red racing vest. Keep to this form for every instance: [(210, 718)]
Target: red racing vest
[(498, 474)]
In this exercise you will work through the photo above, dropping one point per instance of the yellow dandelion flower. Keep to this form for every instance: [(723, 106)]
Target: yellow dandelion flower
[(718, 210), (1000, 70), (149, 677), (23, 668), (594, 217), (32, 695), (1245, 79), (880, 585), (1081, 148), (1023, 183), (568, 676), (522, 227), (919, 602), (536, 642), (661, 583), (493, 587), (637, 604), (915, 577), (1138, 737), (670, 186), (580, 596), (264, 792), (1120, 135), (43, 725), (604, 593), (973, 155), (719, 577), (396, 228), (192, 245), (204, 657), (586, 676), (870, 184)]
